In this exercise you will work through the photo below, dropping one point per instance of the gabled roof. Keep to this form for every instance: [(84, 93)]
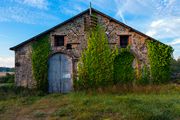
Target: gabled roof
[(76, 16)]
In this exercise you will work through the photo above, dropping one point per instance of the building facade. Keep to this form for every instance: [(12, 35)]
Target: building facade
[(68, 40)]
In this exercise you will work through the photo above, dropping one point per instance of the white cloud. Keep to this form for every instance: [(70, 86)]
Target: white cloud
[(157, 23), (6, 61), (134, 7), (69, 8), (75, 9), (175, 42), (164, 28), (41, 4), (157, 18), (165, 22), (151, 32), (23, 15)]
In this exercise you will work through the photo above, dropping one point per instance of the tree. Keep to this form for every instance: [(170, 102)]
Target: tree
[(123, 70), (175, 66), (95, 68)]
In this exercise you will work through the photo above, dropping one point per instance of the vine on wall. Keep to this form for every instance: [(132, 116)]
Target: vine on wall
[(142, 75), (160, 56), (123, 70), (40, 54)]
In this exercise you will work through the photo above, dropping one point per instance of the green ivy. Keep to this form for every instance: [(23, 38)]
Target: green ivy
[(123, 70), (144, 77), (40, 54), (160, 56)]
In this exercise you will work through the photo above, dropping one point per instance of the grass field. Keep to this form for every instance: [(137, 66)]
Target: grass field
[(133, 105)]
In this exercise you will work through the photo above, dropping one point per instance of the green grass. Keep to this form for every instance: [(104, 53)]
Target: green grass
[(162, 105)]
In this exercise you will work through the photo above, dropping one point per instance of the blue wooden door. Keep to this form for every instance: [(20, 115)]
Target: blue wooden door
[(59, 74)]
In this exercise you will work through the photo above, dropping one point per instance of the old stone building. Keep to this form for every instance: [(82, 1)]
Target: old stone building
[(68, 39)]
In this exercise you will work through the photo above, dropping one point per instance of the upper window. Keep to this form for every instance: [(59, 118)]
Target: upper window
[(58, 40), (124, 39)]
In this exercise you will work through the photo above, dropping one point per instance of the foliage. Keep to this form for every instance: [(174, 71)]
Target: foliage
[(123, 70), (175, 66), (160, 56), (9, 78), (95, 68), (9, 90), (144, 78), (40, 54), (175, 70), (39, 114)]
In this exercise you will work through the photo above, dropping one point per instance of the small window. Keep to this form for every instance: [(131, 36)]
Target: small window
[(69, 46), (124, 39), (59, 41)]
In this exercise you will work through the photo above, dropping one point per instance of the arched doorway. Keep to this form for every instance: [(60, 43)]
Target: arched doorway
[(60, 73)]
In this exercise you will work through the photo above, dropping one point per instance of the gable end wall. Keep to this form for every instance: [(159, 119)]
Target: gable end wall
[(76, 36)]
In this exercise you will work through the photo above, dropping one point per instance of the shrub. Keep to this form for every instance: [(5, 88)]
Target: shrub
[(144, 78), (160, 56), (123, 70), (96, 63), (40, 55), (8, 91), (9, 78)]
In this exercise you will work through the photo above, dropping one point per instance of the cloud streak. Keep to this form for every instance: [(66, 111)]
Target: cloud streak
[(165, 28), (75, 9), (41, 4), (23, 15)]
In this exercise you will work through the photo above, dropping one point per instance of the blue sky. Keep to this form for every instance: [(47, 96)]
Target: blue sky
[(22, 19)]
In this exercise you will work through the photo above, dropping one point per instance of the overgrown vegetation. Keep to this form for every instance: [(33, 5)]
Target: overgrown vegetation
[(123, 70), (95, 68), (9, 78), (175, 65), (144, 76), (10, 91), (150, 103), (40, 54), (160, 56), (99, 67), (175, 70)]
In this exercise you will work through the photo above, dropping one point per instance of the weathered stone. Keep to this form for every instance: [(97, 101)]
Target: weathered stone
[(77, 37)]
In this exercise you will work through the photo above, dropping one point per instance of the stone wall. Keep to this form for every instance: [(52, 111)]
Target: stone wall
[(136, 41), (75, 35), (23, 67)]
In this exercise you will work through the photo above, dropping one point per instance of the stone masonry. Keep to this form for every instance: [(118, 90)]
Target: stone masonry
[(75, 35)]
